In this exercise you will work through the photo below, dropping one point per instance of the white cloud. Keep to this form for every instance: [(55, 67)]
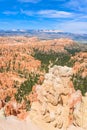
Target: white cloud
[(48, 13), (29, 1), (59, 0), (73, 26), (26, 12), (70, 26), (77, 5), (10, 13), (42, 13), (54, 14)]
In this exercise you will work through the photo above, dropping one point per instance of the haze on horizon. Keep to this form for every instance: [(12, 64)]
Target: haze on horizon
[(65, 15)]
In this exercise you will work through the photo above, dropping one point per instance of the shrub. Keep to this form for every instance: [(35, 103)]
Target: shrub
[(80, 82), (7, 99), (26, 87), (55, 58)]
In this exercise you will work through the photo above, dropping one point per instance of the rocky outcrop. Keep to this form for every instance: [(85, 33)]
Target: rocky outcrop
[(55, 102), (80, 114), (57, 98), (80, 64)]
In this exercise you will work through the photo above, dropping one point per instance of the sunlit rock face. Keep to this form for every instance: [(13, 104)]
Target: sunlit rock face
[(55, 102), (80, 113), (57, 98), (80, 63)]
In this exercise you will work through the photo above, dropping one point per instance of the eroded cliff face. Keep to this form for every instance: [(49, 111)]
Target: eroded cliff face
[(57, 103), (57, 98), (80, 113), (80, 63)]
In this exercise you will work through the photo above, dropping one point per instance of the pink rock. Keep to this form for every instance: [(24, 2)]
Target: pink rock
[(75, 98), (22, 115)]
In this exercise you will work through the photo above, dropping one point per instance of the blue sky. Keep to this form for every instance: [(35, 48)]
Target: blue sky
[(64, 15)]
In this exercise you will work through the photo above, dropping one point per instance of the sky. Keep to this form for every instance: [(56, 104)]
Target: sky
[(62, 15)]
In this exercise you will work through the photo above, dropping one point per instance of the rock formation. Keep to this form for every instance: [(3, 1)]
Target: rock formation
[(80, 63), (57, 98), (80, 113), (55, 102)]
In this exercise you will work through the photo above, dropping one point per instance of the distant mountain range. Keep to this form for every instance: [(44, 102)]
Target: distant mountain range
[(45, 34)]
